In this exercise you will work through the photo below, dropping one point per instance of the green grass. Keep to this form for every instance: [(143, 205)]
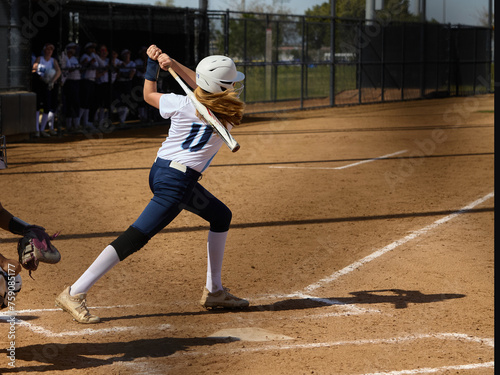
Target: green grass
[(284, 82)]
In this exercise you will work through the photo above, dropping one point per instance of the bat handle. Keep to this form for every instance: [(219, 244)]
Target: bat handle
[(173, 73)]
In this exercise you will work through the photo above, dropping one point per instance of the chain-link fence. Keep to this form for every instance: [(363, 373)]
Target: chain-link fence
[(290, 61), (290, 65)]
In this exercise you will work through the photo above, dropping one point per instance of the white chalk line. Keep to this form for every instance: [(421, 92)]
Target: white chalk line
[(8, 315), (352, 309), (29, 311), (88, 331), (392, 340), (354, 266), (429, 370), (345, 166)]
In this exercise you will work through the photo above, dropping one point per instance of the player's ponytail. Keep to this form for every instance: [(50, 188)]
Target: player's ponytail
[(226, 105)]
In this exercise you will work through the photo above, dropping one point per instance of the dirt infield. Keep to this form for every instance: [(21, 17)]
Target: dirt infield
[(362, 236)]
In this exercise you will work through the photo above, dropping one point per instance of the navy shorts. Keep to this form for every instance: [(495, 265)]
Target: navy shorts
[(175, 191)]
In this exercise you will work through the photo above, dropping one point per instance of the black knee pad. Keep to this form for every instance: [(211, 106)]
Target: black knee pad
[(129, 242), (221, 220)]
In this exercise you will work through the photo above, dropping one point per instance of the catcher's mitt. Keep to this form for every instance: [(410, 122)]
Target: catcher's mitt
[(35, 247)]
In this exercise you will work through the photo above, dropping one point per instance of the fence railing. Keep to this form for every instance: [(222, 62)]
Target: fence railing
[(290, 61)]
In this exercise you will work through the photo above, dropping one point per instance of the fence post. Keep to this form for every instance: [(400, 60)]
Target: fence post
[(382, 65), (245, 54), (276, 60), (269, 58), (360, 65), (303, 61), (226, 33), (403, 61), (332, 51), (474, 70), (111, 47), (186, 33), (457, 63), (449, 59), (422, 59)]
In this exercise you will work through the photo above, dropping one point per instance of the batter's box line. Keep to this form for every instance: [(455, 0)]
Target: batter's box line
[(348, 309), (345, 166), (378, 253), (7, 316), (430, 370), (88, 331), (489, 342), (30, 311)]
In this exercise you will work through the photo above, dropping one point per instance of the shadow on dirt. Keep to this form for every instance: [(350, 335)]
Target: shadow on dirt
[(399, 298), (87, 355)]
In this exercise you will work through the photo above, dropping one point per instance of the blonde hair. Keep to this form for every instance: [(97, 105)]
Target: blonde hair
[(225, 105)]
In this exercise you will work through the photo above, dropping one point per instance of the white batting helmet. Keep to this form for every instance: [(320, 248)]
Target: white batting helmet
[(216, 73)]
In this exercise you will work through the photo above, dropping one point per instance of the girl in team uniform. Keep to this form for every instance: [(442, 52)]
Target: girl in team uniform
[(184, 155), (124, 85), (71, 87), (102, 99), (89, 65), (46, 72)]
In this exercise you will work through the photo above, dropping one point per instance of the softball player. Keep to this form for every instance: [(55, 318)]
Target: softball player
[(181, 159), (10, 268), (46, 72)]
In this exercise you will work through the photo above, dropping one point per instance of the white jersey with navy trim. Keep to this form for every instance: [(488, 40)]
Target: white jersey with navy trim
[(44, 66), (190, 141)]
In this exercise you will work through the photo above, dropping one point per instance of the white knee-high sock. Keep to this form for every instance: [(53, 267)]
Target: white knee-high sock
[(50, 120), (103, 263), (80, 115), (37, 118), (103, 116), (85, 117), (122, 114), (215, 251), (43, 123)]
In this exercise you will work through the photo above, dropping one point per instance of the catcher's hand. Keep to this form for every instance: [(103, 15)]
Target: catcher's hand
[(35, 247)]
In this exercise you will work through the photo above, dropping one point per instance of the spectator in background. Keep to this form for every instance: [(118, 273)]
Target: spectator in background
[(124, 86), (140, 66), (114, 65), (102, 88), (89, 64), (71, 86), (46, 72)]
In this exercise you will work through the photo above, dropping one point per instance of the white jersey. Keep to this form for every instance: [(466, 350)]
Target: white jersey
[(70, 67), (140, 66), (44, 66), (114, 70), (125, 70), (190, 141), (89, 68), (102, 68)]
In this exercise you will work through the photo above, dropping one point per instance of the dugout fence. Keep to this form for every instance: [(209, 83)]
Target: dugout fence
[(290, 65), (290, 61)]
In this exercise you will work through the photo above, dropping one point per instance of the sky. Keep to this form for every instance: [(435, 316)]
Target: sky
[(464, 12)]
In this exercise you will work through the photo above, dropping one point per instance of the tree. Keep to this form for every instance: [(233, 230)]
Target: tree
[(165, 3), (483, 16), (247, 31), (258, 6), (394, 10), (347, 28)]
